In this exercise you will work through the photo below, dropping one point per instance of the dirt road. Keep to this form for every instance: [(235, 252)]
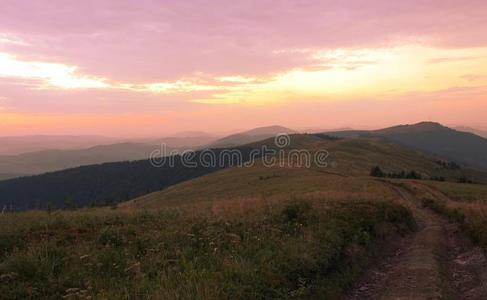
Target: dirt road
[(435, 262)]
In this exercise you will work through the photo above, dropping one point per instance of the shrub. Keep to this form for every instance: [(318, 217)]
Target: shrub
[(376, 172), (295, 212), (110, 236)]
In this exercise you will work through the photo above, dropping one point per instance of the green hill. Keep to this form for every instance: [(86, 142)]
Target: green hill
[(121, 181), (461, 147), (348, 167)]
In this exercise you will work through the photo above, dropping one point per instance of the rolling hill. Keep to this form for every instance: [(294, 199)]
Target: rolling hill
[(482, 133), (53, 160), (15, 145), (39, 162), (116, 182), (250, 136), (349, 165), (100, 184), (461, 147)]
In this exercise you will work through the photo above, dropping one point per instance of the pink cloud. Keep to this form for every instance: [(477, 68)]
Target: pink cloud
[(164, 40), (146, 41)]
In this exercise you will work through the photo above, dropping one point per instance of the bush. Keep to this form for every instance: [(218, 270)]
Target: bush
[(295, 212), (109, 236), (376, 172)]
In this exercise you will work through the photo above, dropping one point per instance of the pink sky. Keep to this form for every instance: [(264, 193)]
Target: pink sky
[(156, 67)]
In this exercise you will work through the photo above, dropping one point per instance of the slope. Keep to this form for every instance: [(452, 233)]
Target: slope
[(13, 145), (53, 160), (254, 135), (461, 147), (38, 162), (348, 166)]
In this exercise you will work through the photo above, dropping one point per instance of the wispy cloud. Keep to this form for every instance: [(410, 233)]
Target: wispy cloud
[(474, 77), (11, 40), (439, 60), (54, 74)]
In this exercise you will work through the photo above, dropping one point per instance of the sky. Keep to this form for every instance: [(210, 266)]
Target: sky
[(142, 68)]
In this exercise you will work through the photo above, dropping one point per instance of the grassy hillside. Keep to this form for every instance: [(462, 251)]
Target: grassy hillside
[(348, 167), (116, 182), (262, 184), (465, 204), (461, 147), (461, 192), (302, 248)]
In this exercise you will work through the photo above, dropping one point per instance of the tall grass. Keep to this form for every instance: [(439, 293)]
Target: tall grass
[(465, 204), (293, 249)]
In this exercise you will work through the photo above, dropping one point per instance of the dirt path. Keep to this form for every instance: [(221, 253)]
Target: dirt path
[(436, 262)]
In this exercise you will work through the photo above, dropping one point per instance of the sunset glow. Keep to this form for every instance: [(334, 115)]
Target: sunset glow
[(144, 67)]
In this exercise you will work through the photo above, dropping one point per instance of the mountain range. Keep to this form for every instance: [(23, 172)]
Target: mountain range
[(428, 148), (41, 154), (14, 145), (42, 161)]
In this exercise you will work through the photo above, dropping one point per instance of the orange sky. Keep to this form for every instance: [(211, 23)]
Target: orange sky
[(143, 68)]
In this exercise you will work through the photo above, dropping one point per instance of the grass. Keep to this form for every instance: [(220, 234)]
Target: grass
[(461, 192), (299, 248), (263, 183), (349, 164), (464, 204)]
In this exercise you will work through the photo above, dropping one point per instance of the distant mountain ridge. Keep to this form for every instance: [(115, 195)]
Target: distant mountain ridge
[(462, 147), (250, 136), (38, 162), (482, 133), (101, 184), (53, 160), (14, 145)]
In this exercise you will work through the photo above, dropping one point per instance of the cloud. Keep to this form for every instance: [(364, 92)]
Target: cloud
[(474, 77), (2, 100), (439, 60), (188, 58), (12, 40), (150, 41), (54, 74)]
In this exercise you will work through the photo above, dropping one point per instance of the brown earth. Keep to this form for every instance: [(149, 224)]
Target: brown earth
[(435, 262)]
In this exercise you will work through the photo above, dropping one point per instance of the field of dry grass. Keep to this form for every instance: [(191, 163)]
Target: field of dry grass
[(300, 248), (461, 192), (465, 204), (345, 176), (263, 184)]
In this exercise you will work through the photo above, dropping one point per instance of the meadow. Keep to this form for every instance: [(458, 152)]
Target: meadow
[(297, 248)]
